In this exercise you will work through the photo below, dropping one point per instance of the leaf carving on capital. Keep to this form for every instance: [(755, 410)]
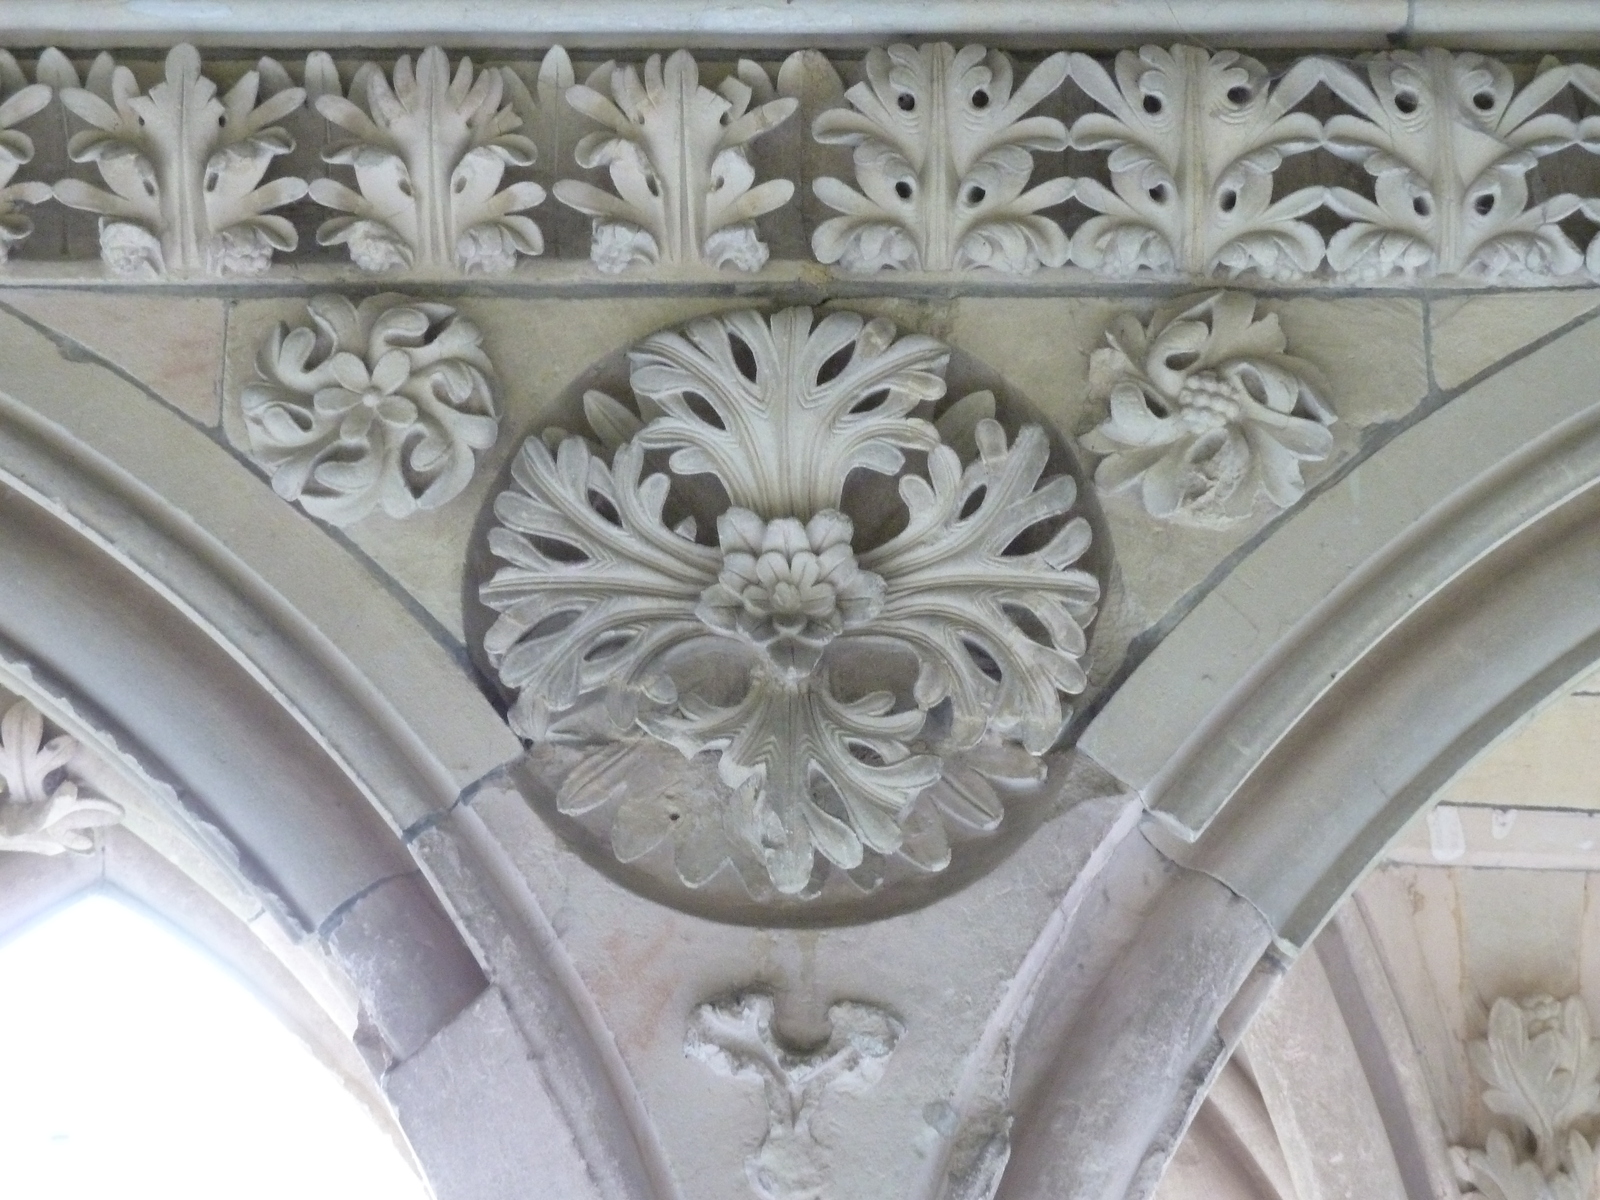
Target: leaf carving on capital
[(19, 100), (1208, 415), (1195, 139), (1540, 1066), (429, 151), (676, 153), (41, 808), (943, 150), (378, 406), (183, 167), (858, 690), (735, 1037), (1449, 142)]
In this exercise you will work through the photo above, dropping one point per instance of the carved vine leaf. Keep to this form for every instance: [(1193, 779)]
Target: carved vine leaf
[(855, 704), (943, 153), (734, 1037), (1541, 1069), (676, 154), (19, 100), (1449, 143), (1195, 139), (380, 406), (183, 168), (41, 811), (1208, 415), (429, 153)]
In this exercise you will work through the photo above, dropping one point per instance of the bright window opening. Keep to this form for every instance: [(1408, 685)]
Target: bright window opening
[(131, 1066)]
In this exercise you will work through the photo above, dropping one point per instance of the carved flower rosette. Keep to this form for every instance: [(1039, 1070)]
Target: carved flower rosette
[(773, 622)]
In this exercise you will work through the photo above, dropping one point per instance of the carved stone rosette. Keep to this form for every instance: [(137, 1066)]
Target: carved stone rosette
[(41, 809), (763, 654)]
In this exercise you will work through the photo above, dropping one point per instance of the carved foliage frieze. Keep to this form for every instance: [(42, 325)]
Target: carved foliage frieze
[(735, 1037), (1208, 417), (1540, 1066), (831, 689), (42, 810), (1183, 169), (383, 405)]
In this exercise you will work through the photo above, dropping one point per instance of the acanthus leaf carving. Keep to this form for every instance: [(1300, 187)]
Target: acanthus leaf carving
[(429, 152), (1208, 414), (735, 1037), (1195, 139), (943, 154), (41, 809), (380, 406), (675, 152), (19, 100), (854, 697), (1540, 1066), (183, 168), (1449, 143)]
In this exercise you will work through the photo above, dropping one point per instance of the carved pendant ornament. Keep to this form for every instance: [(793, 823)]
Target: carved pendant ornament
[(1540, 1067), (753, 650), (41, 809)]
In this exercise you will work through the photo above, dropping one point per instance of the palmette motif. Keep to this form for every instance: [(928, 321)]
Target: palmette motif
[(183, 168), (19, 100), (1208, 415), (1195, 138), (380, 406), (41, 810), (1449, 143), (676, 153), (943, 153), (1540, 1066), (853, 695)]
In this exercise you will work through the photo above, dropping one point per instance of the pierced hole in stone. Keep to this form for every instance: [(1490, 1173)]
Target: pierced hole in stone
[(653, 184), (975, 195), (1037, 536), (1239, 94), (980, 99), (141, 120), (149, 187), (1182, 360), (1157, 405), (717, 183), (558, 551), (606, 648), (1483, 101), (222, 121), (1152, 105), (604, 507), (405, 187), (1159, 193), (983, 660), (702, 408), (212, 179), (674, 815), (743, 357), (974, 502), (1483, 205), (907, 102), (1421, 206), (870, 401), (1230, 200), (836, 363), (866, 754), (551, 625), (1032, 628), (1406, 101), (903, 189)]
